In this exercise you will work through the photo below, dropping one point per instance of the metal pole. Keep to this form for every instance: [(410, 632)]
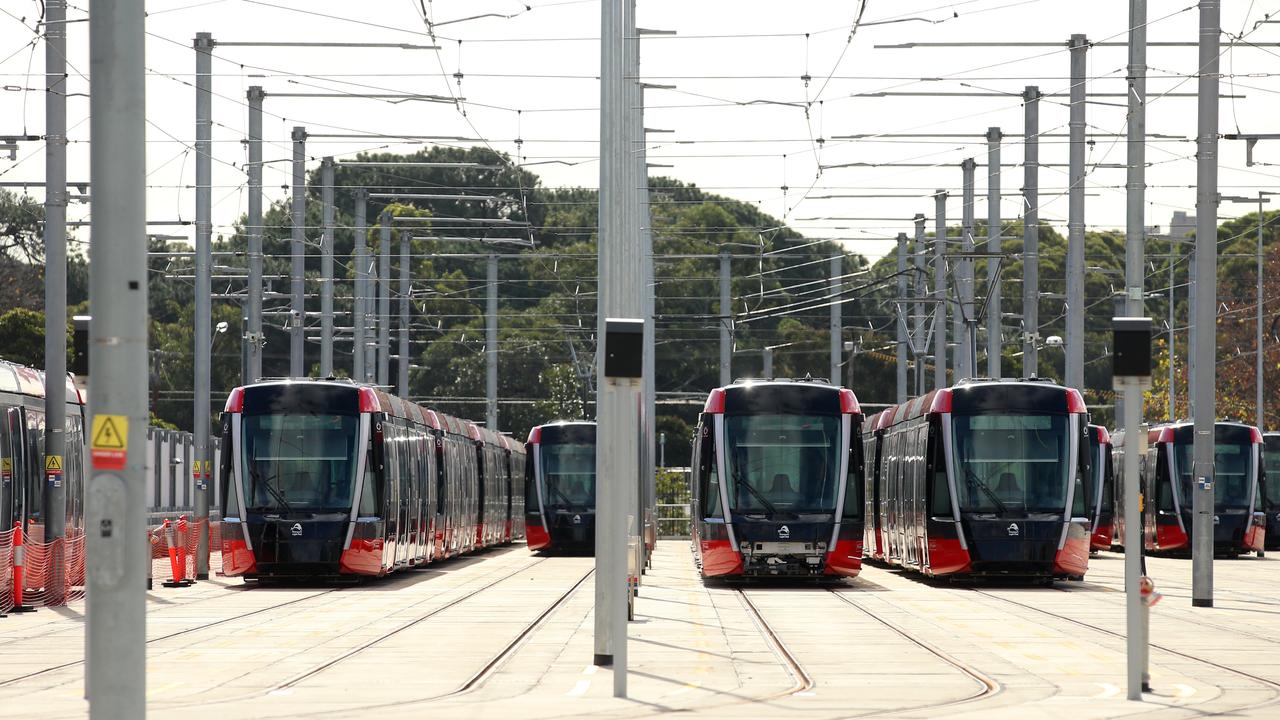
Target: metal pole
[(491, 347), (726, 319), (115, 500), (384, 302), (1191, 330), (967, 324), (402, 367), (1074, 346), (650, 379), (55, 288), (940, 290), (359, 306), (919, 348), (767, 370), (254, 221), (1258, 360), (1206, 310), (202, 327), (326, 267), (298, 251), (994, 314), (1031, 234), (834, 283), (618, 399), (900, 395), (1130, 401), (1173, 355)]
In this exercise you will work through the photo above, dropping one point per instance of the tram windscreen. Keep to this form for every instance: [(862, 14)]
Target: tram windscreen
[(1232, 469), (783, 463), (1017, 463), (569, 474), (299, 462), (1271, 462)]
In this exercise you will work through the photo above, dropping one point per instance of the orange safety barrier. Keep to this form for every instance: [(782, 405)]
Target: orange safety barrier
[(6, 571), (19, 570), (177, 570)]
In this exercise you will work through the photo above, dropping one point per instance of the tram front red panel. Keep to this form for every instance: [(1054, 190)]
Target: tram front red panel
[(536, 535), (846, 558), (364, 557), (719, 558)]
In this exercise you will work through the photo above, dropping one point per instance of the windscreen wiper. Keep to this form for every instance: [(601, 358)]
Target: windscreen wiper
[(739, 482), (973, 480), (564, 497), (274, 491)]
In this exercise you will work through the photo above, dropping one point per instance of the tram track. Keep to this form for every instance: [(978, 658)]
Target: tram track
[(1272, 684), (988, 687), (802, 680), (169, 636), (475, 680), (490, 667)]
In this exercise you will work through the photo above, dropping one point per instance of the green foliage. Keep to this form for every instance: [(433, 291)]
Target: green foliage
[(22, 337)]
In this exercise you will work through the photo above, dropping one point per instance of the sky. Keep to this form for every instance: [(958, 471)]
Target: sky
[(765, 96)]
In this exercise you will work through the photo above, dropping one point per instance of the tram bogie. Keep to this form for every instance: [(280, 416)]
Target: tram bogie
[(331, 479), (1166, 477), (986, 478), (560, 487), (777, 481)]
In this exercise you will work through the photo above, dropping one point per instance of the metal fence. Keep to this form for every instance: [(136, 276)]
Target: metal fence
[(673, 506), (171, 483)]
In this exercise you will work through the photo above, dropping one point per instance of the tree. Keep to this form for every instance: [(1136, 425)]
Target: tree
[(22, 337)]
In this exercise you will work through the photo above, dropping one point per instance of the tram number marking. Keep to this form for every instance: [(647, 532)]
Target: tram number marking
[(1013, 529)]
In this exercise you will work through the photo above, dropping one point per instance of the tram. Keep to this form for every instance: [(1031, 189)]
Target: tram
[(560, 487), (24, 489), (329, 479), (985, 478), (1165, 472), (1104, 488), (1271, 487), (777, 481)]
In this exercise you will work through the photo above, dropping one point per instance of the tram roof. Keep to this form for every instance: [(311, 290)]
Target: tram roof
[(23, 380), (976, 395)]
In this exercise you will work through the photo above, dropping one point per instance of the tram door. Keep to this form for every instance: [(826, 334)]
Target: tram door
[(11, 468)]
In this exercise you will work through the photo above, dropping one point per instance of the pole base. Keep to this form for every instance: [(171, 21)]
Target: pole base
[(202, 576), (178, 583), (1146, 687), (149, 584), (22, 609), (602, 660), (1201, 602)]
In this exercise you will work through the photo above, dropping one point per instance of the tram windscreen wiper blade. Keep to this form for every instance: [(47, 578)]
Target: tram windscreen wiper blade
[(739, 482), (275, 492), (972, 477), (564, 497)]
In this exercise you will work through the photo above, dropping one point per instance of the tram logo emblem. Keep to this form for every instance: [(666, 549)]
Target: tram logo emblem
[(296, 530), (784, 533), (1013, 529), (577, 519), (1216, 519)]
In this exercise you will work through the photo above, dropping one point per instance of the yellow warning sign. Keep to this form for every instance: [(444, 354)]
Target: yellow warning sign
[(110, 432), (53, 463), (6, 465), (109, 444)]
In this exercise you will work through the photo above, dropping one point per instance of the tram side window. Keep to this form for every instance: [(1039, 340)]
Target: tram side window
[(710, 478), (1164, 490), (853, 501), (531, 503), (940, 492)]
